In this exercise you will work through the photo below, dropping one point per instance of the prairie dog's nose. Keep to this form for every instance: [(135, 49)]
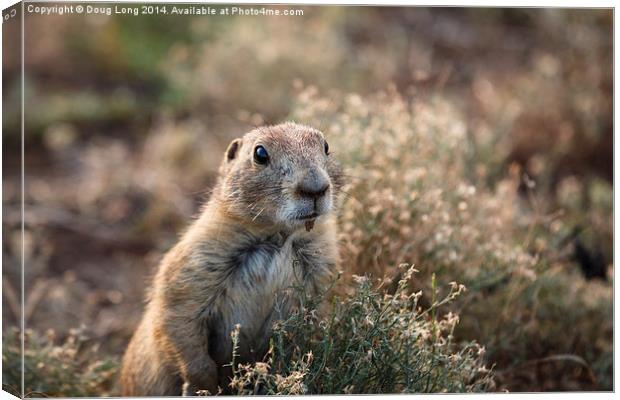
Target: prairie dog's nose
[(313, 185)]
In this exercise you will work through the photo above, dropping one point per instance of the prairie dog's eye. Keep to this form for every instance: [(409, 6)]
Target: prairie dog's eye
[(326, 148), (260, 155)]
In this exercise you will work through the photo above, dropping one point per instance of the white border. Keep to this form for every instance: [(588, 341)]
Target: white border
[(456, 3)]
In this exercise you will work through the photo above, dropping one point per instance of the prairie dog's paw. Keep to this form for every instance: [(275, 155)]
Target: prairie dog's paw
[(189, 390)]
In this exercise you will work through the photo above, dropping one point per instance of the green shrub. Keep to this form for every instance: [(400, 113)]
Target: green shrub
[(369, 342)]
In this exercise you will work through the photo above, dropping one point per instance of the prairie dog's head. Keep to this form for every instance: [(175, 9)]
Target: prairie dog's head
[(282, 175)]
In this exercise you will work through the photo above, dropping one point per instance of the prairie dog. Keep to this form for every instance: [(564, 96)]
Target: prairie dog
[(268, 225)]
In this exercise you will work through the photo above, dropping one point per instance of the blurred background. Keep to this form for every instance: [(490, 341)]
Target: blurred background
[(127, 118)]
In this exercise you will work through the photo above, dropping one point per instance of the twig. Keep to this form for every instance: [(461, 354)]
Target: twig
[(11, 298), (556, 358), (33, 299)]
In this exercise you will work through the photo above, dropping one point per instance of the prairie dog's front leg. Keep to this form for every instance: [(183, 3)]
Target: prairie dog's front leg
[(201, 374), (187, 344)]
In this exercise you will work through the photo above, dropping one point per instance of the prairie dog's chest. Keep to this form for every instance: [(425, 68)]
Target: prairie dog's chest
[(259, 291), (264, 268)]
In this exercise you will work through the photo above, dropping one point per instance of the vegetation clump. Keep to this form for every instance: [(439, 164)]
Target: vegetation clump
[(369, 342), (72, 368)]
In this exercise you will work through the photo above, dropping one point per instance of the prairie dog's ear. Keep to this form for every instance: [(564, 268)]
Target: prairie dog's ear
[(232, 150)]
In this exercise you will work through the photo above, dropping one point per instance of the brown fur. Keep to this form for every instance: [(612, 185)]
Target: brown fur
[(236, 264)]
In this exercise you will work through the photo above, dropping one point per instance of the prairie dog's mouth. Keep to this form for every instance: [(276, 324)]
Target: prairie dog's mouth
[(308, 220), (308, 217)]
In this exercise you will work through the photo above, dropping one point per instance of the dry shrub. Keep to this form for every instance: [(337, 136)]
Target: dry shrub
[(72, 368), (416, 194)]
